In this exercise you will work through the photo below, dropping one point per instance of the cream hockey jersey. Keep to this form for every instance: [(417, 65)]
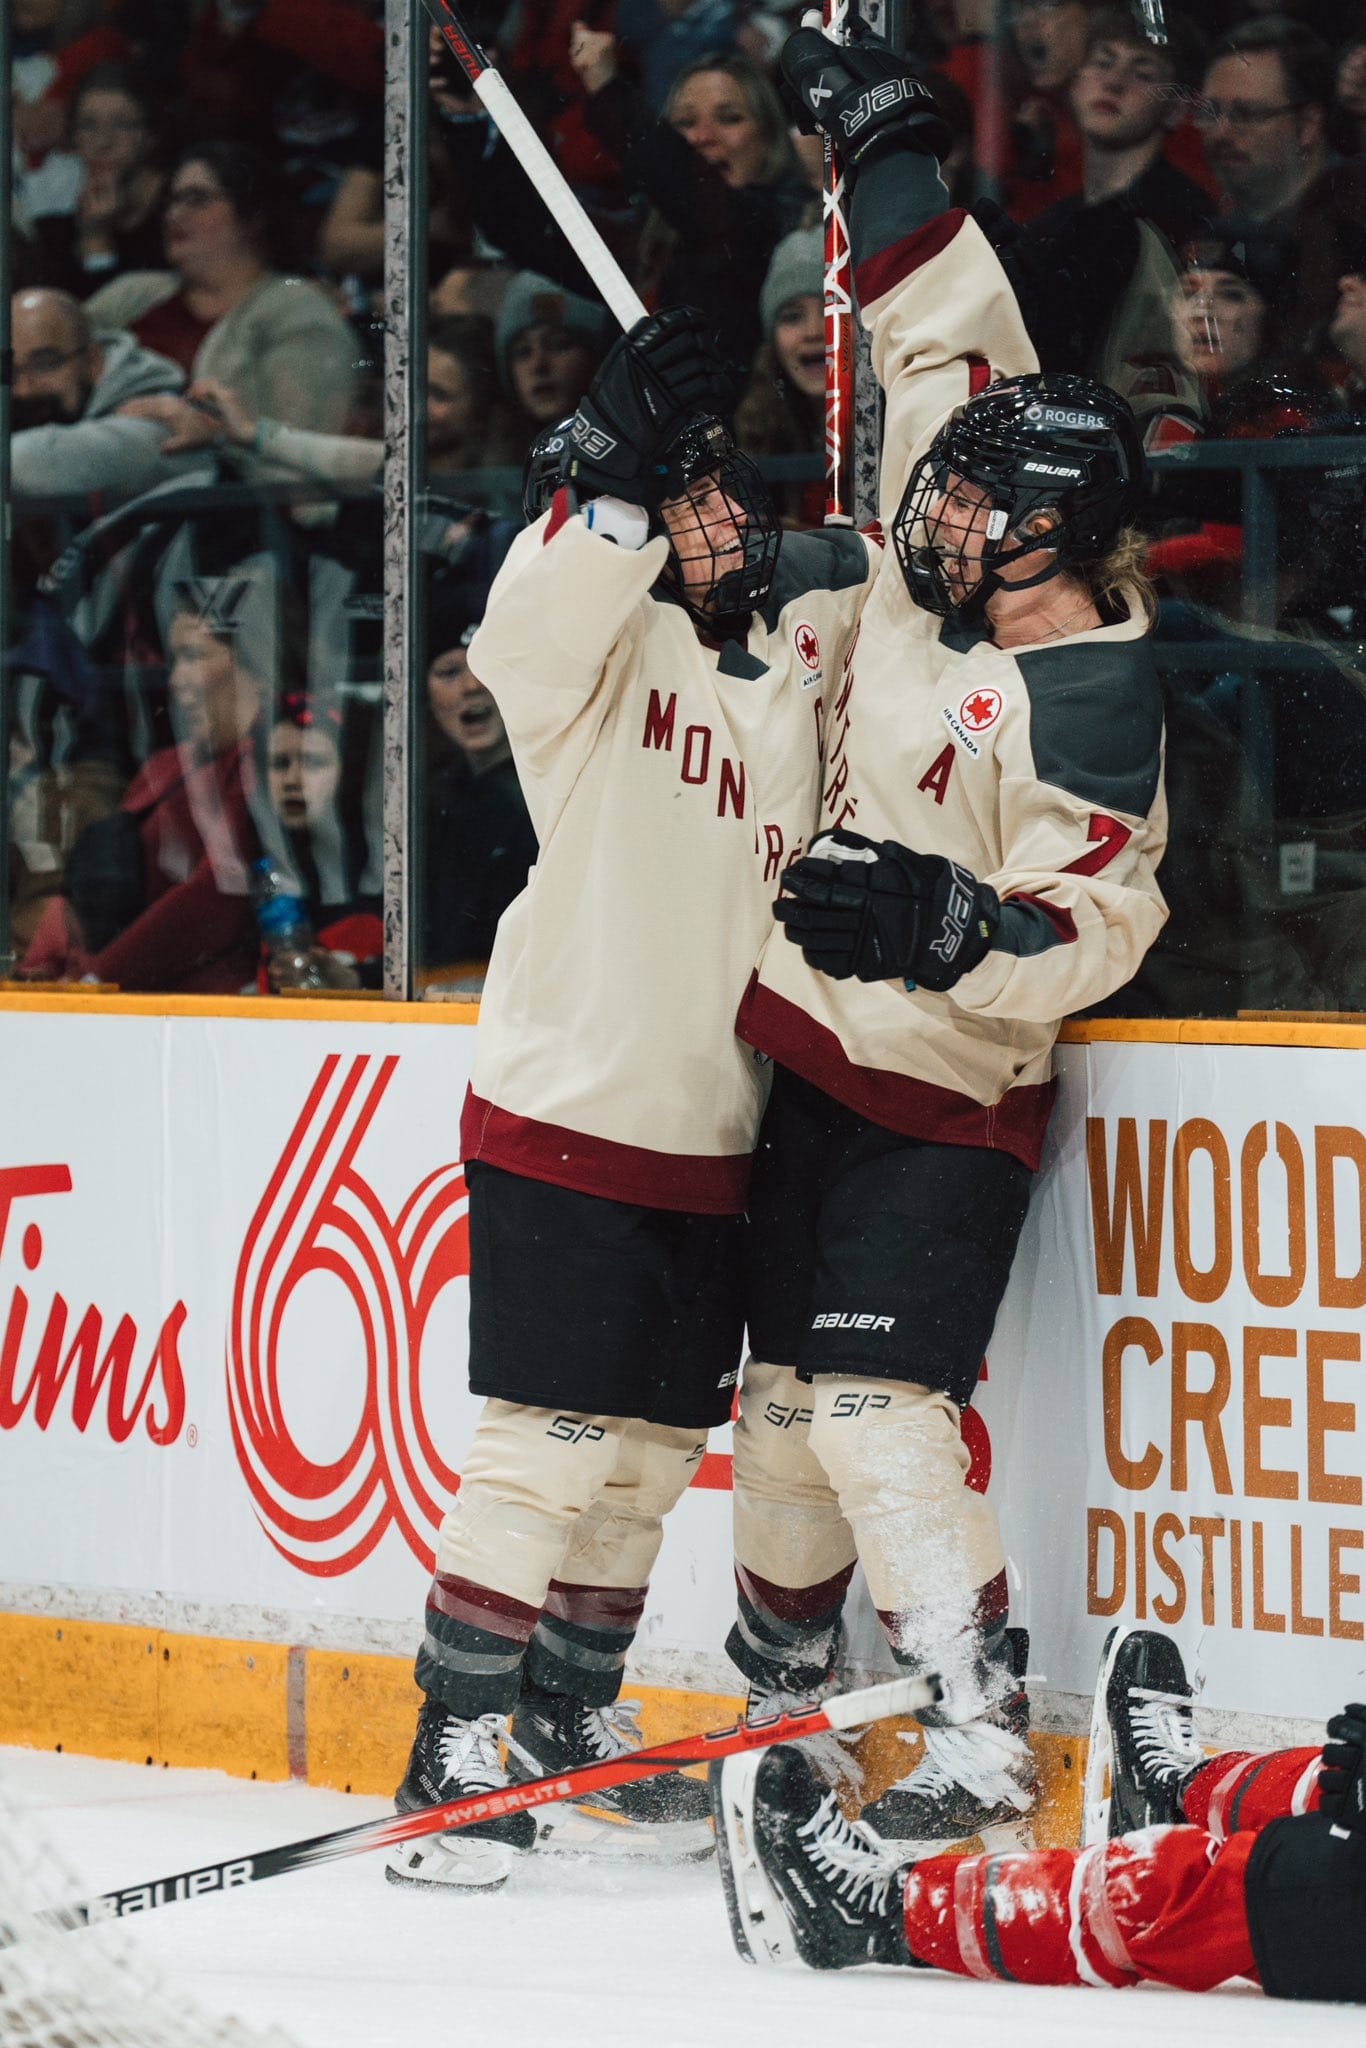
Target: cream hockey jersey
[(1037, 768), (669, 784)]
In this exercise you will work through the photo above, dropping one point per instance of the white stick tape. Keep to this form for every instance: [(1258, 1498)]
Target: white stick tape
[(545, 174)]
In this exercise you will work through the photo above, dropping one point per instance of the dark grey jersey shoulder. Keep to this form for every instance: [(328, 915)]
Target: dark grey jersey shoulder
[(831, 560), (1095, 721)]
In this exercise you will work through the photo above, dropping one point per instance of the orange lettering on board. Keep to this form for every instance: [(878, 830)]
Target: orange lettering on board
[(1203, 1405), (1135, 1474), (1341, 1583), (1263, 1620), (1330, 1418), (1265, 1411), (1301, 1624), (1206, 1528), (1106, 1520), (1274, 1290), (1331, 1143), (1131, 1211), (1198, 1134), (1167, 1529)]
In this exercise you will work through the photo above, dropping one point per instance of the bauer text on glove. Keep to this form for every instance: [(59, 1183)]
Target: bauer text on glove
[(864, 97), (879, 911), (650, 383)]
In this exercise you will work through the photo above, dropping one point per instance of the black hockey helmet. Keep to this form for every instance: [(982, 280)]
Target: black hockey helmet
[(1055, 443), (544, 470), (722, 528)]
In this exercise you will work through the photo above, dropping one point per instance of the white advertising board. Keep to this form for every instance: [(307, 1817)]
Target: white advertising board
[(233, 1260)]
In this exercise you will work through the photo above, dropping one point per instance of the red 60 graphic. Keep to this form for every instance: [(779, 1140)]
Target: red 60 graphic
[(319, 1215)]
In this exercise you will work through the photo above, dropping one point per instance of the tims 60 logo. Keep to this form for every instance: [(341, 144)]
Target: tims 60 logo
[(319, 1215)]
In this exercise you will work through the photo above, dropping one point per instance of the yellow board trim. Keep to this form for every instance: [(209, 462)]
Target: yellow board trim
[(1263, 1029), (1334, 1035), (264, 1710), (311, 1009)]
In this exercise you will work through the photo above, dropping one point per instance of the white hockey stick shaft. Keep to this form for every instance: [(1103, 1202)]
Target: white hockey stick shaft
[(617, 292)]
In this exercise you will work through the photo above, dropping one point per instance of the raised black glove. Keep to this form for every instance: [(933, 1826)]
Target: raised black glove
[(1342, 1781), (883, 913), (649, 384), (864, 97)]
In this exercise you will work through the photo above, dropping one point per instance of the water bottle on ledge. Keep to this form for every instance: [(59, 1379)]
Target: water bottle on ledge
[(292, 960)]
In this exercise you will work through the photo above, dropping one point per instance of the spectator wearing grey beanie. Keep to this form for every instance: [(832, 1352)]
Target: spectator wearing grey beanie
[(548, 342), (782, 410)]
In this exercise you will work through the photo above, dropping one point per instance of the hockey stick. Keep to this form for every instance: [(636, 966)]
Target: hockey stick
[(839, 315), (1151, 20), (845, 1710), (617, 293)]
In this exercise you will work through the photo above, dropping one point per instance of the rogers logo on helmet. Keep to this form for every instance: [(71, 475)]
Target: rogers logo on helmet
[(1062, 416)]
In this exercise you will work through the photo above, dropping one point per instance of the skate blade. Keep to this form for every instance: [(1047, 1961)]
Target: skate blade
[(759, 1924), (452, 1863), (611, 1837), (1095, 1783), (1005, 1835)]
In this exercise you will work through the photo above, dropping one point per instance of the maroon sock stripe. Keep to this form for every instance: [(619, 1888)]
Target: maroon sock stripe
[(604, 1607), (480, 1607), (793, 1603)]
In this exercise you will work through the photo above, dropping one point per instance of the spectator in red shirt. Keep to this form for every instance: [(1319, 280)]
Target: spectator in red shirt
[(156, 896)]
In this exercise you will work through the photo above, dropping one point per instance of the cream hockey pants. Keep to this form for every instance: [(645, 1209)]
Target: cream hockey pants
[(877, 1472), (549, 1495)]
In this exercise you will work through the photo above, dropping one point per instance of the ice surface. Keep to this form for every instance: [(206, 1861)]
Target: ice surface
[(570, 1954)]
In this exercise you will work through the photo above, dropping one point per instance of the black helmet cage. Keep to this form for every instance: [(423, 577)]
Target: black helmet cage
[(732, 522), (544, 470), (1055, 444)]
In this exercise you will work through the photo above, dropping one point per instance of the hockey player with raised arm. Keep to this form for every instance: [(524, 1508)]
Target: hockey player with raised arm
[(1214, 1867), (992, 822), (657, 653)]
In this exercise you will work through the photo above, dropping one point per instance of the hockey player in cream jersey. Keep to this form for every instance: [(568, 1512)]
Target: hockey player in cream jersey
[(993, 819), (658, 658)]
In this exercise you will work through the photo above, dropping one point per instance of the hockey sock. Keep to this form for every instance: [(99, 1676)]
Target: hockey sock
[(786, 1638), (472, 1652), (1241, 1791), (580, 1642)]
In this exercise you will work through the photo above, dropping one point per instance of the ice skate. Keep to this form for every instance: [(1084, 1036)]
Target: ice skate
[(450, 1759), (665, 1817), (1141, 1733), (976, 1779), (802, 1883), (832, 1751)]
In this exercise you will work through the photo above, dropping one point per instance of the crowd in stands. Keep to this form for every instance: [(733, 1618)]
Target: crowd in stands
[(196, 254)]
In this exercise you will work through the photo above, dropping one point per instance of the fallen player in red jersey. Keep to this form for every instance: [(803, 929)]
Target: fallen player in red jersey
[(1214, 1867)]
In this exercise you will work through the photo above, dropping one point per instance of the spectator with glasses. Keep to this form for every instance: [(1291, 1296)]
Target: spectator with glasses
[(69, 386), (222, 311), (1268, 94), (116, 225)]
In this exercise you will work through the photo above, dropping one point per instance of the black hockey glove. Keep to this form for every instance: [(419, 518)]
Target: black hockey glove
[(649, 384), (864, 97), (883, 913), (1342, 1781)]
